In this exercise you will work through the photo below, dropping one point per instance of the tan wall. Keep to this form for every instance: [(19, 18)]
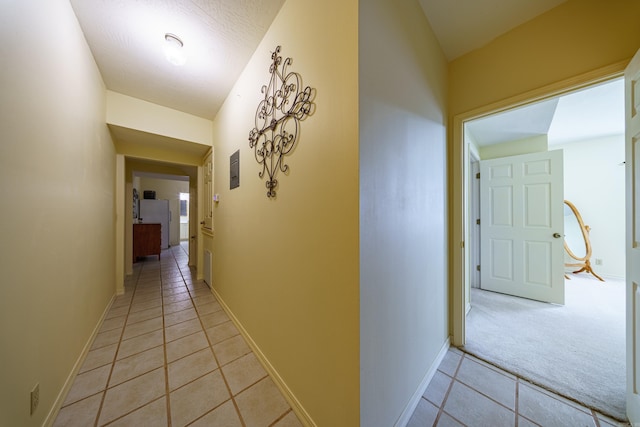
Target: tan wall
[(574, 38), (288, 268), (57, 170), (133, 113)]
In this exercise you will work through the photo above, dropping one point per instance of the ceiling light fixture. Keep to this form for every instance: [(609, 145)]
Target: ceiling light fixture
[(173, 49)]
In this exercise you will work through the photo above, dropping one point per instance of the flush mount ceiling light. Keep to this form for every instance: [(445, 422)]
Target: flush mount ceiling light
[(173, 49)]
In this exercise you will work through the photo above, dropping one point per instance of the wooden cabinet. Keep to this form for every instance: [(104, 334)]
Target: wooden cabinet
[(146, 240)]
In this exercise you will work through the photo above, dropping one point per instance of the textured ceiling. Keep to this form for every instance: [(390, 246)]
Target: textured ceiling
[(464, 25), (126, 38)]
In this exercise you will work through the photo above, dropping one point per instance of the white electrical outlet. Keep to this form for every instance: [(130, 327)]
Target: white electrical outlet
[(35, 398), (598, 261)]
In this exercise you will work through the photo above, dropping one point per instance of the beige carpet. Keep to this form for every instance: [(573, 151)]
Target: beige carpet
[(576, 350)]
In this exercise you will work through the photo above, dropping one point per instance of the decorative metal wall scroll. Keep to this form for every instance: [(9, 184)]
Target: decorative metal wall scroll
[(278, 118)]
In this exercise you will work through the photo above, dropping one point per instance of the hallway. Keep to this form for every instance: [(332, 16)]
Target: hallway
[(167, 354)]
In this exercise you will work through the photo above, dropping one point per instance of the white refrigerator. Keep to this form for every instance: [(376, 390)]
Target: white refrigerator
[(153, 211)]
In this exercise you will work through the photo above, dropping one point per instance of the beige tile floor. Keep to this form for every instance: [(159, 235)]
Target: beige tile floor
[(168, 355), (468, 392)]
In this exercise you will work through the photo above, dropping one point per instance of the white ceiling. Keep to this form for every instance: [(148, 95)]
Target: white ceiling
[(126, 38), (586, 114), (591, 113), (513, 125)]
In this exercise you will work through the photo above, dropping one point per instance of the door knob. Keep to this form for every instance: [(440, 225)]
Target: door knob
[(557, 235)]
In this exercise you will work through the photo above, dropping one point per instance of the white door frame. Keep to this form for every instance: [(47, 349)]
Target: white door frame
[(632, 129), (459, 177), (472, 248)]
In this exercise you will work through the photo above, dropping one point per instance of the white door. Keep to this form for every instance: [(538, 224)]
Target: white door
[(474, 225), (522, 225), (632, 162)]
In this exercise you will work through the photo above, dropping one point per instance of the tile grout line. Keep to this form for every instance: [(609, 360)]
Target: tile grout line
[(164, 348), (522, 381), (517, 403), (140, 284), (566, 400), (283, 416), (115, 355), (595, 417), (119, 417), (496, 369), (114, 360), (480, 392), (446, 395), (224, 378), (184, 283)]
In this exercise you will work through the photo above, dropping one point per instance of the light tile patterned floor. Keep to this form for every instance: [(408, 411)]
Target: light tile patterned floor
[(168, 355), (466, 391)]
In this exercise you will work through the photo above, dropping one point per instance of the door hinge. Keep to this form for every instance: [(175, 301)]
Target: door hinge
[(478, 267), (478, 175), (478, 221)]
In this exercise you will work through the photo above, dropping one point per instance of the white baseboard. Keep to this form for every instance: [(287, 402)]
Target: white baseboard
[(295, 404), (57, 404), (415, 399)]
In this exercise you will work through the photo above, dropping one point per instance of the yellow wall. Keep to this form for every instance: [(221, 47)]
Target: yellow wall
[(133, 113), (155, 139), (288, 268), (534, 144), (569, 46), (57, 169), (576, 37)]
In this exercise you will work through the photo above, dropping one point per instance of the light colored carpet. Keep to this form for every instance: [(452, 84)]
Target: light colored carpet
[(576, 350)]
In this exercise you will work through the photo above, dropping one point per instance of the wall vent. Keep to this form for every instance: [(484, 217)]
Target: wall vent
[(208, 264)]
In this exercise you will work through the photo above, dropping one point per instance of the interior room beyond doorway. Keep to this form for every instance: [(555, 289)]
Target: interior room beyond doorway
[(593, 151)]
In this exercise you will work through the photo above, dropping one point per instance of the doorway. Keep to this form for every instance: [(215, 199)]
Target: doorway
[(169, 188), (590, 163), (166, 181), (184, 221)]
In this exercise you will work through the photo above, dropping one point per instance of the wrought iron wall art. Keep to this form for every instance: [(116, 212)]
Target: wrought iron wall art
[(277, 119)]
